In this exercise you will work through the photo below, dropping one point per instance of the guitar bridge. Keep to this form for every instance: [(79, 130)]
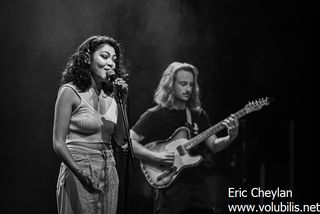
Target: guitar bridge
[(167, 173)]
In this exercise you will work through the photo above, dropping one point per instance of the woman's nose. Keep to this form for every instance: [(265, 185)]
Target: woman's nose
[(111, 63)]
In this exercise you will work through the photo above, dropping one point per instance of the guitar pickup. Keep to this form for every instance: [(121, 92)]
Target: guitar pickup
[(181, 150)]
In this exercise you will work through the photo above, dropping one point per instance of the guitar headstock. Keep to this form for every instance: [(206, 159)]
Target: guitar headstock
[(258, 104)]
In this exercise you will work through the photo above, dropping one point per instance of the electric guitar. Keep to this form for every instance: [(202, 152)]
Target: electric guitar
[(160, 176)]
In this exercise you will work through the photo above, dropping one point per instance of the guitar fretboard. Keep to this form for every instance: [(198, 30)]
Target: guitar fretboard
[(212, 130)]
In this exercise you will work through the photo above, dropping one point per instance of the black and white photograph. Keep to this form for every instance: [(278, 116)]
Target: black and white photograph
[(159, 107)]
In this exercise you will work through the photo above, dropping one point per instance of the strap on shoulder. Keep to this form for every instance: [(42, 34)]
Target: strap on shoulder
[(72, 87), (189, 118)]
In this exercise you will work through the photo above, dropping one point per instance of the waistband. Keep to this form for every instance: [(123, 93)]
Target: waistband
[(84, 149), (94, 146)]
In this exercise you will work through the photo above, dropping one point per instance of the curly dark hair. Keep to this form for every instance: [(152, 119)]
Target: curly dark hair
[(77, 70)]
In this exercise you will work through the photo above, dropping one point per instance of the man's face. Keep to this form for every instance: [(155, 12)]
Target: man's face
[(183, 85)]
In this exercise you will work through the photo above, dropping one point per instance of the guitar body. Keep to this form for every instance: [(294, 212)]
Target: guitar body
[(160, 176)]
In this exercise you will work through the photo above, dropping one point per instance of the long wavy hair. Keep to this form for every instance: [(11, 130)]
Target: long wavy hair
[(78, 71), (165, 90)]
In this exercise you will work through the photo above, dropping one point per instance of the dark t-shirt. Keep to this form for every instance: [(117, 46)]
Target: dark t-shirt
[(159, 123)]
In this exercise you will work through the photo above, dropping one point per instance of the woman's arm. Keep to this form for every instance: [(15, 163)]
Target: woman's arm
[(120, 96), (66, 101), (63, 108), (120, 132)]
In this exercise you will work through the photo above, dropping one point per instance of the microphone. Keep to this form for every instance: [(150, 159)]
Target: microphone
[(112, 77)]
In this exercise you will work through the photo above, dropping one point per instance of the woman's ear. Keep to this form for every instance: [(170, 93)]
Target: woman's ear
[(87, 58)]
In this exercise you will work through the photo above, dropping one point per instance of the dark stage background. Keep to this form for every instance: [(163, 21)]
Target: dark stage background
[(244, 51)]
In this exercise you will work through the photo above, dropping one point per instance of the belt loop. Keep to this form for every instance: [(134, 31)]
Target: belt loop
[(104, 154)]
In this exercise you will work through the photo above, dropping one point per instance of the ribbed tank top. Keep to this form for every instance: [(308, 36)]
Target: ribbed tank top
[(88, 125)]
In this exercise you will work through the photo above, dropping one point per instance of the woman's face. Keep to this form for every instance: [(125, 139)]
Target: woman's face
[(103, 62)]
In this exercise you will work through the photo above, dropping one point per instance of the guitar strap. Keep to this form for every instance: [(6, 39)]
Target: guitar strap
[(189, 118), (193, 127)]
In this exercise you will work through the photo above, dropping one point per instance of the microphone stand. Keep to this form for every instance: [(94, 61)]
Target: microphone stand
[(129, 154)]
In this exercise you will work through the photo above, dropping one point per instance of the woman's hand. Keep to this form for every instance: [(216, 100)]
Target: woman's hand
[(88, 182), (120, 88)]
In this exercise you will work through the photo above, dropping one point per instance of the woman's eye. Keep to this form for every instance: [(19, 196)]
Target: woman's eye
[(105, 56)]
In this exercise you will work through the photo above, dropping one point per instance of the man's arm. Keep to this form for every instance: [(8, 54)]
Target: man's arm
[(143, 153), (218, 144)]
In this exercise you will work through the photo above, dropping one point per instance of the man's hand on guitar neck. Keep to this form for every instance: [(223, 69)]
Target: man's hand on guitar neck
[(232, 126)]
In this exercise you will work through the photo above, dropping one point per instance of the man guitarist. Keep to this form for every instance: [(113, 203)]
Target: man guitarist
[(178, 104)]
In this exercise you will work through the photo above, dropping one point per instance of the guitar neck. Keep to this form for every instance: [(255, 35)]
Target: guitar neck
[(212, 130)]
